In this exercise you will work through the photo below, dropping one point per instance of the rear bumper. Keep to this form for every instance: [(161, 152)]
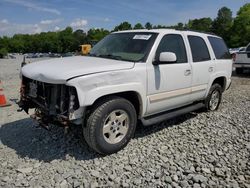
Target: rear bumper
[(241, 65)]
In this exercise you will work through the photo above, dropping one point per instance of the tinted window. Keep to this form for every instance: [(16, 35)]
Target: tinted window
[(248, 48), (219, 47), (173, 43), (199, 49)]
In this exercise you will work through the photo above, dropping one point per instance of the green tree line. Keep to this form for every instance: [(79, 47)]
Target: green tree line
[(235, 32)]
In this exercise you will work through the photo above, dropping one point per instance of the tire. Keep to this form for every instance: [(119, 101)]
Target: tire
[(214, 97), (239, 70), (110, 125)]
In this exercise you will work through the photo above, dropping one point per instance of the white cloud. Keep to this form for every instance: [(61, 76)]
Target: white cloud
[(48, 22), (56, 28), (13, 28), (33, 6), (37, 29), (9, 29), (79, 23), (106, 20), (4, 21)]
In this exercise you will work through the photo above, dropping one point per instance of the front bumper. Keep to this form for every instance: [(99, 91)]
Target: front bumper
[(53, 103)]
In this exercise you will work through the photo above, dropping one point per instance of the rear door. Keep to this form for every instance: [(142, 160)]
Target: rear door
[(222, 57), (202, 66)]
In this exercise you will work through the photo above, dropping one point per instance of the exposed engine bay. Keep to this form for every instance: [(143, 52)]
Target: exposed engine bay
[(53, 103)]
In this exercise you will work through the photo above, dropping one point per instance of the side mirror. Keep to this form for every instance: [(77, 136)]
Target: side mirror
[(168, 57), (165, 58)]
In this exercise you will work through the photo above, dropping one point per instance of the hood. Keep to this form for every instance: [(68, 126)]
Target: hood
[(59, 70)]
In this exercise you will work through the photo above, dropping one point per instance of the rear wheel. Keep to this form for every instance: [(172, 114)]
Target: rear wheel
[(213, 99), (239, 70), (110, 125)]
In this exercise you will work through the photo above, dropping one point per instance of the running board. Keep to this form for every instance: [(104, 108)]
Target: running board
[(151, 120)]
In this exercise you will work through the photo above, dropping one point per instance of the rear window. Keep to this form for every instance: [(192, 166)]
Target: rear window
[(219, 47), (199, 49)]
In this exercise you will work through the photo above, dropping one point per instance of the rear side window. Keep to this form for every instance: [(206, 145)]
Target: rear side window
[(199, 49), (219, 47), (173, 43)]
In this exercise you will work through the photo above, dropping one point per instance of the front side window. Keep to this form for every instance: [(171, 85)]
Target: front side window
[(219, 47), (199, 49), (173, 43), (130, 46)]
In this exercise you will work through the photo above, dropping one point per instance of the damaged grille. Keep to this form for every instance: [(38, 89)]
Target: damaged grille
[(52, 99)]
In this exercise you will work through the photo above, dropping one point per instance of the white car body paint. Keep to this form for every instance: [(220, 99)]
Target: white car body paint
[(59, 70), (94, 86), (159, 88)]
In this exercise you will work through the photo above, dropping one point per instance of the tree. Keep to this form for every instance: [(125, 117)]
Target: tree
[(96, 34), (123, 26), (138, 26), (148, 25), (240, 33), (4, 43), (80, 37), (202, 24), (179, 26), (17, 43), (223, 23), (66, 40), (3, 52)]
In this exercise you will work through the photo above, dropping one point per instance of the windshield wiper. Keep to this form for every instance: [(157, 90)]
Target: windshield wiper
[(93, 55), (110, 56)]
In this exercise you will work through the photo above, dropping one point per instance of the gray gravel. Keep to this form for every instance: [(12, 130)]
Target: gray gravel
[(195, 150)]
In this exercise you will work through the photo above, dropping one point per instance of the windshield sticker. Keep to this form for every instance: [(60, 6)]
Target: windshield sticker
[(142, 37)]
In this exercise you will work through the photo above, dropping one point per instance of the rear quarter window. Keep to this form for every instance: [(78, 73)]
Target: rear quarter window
[(219, 47)]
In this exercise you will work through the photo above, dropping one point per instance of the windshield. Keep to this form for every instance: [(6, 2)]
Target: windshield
[(130, 46)]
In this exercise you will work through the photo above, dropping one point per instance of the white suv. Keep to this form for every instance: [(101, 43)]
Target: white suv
[(145, 75)]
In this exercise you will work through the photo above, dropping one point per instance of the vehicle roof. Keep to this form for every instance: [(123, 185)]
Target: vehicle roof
[(163, 31)]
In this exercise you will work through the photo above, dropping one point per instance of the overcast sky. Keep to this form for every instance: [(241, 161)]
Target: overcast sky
[(34, 16)]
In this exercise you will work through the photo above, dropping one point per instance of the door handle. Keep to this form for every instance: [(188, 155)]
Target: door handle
[(210, 69), (187, 72)]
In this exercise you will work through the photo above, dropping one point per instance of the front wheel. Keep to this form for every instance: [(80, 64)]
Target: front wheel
[(110, 125), (213, 99)]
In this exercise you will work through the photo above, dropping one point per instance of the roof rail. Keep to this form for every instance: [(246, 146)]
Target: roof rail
[(210, 33)]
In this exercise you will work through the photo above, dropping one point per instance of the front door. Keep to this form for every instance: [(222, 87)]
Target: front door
[(169, 85)]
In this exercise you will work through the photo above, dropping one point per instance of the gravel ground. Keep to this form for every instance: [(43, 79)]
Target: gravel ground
[(195, 150)]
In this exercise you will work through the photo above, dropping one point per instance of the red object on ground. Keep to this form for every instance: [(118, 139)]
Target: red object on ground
[(3, 101)]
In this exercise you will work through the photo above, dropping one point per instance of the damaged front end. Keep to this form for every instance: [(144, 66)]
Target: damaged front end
[(53, 103)]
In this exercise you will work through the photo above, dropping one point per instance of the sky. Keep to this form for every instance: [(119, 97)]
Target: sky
[(35, 16)]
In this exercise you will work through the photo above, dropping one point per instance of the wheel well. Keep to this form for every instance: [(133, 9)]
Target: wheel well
[(131, 96), (221, 81)]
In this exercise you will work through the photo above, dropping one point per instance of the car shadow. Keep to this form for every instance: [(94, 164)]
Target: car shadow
[(28, 140)]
